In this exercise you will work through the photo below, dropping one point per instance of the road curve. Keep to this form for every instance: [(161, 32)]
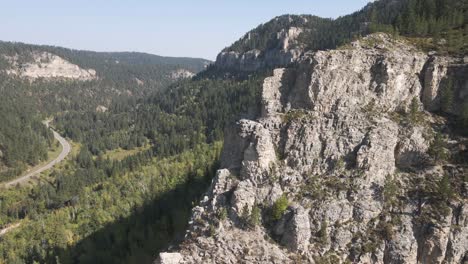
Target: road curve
[(66, 148)]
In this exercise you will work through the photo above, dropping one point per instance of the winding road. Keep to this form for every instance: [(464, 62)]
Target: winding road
[(66, 148)]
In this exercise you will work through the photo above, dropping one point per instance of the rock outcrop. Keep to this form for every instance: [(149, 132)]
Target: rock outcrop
[(336, 139), (48, 66), (286, 50), (181, 74)]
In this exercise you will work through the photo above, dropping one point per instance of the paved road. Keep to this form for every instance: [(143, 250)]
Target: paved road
[(66, 148)]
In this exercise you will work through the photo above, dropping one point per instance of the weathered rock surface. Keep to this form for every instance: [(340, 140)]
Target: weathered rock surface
[(46, 65), (181, 74), (333, 137), (169, 258), (285, 53)]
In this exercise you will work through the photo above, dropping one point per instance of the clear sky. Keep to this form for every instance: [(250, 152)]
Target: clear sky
[(192, 28)]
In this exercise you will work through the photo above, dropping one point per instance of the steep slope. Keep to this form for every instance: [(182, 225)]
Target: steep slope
[(24, 140), (342, 165)]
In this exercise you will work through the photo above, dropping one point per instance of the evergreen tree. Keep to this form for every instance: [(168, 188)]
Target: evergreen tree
[(415, 114), (446, 96)]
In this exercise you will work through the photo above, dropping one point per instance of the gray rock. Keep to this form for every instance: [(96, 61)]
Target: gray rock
[(169, 258), (297, 234)]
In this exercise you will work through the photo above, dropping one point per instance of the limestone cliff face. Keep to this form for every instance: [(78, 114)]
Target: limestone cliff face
[(48, 66), (333, 138), (285, 52)]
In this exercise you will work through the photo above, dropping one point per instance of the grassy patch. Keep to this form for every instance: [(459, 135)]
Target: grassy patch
[(120, 154)]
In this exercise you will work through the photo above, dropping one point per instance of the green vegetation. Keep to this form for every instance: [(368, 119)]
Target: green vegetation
[(340, 165), (251, 218), (24, 140), (313, 189), (446, 96), (415, 115), (438, 192), (328, 258), (279, 207), (172, 120), (255, 216), (120, 154), (445, 190), (390, 192), (437, 149), (222, 214), (294, 115), (464, 116), (124, 218), (322, 234)]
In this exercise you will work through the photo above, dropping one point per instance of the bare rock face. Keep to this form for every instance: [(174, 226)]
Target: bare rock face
[(48, 66), (252, 60), (296, 233), (445, 73), (333, 138), (169, 258), (181, 74)]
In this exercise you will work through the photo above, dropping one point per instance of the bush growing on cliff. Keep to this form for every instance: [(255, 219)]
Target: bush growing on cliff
[(446, 96), (251, 218), (222, 214), (322, 233), (414, 112), (464, 116), (445, 191), (279, 207), (390, 192), (437, 149)]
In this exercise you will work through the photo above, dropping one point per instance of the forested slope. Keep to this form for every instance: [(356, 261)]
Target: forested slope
[(24, 140)]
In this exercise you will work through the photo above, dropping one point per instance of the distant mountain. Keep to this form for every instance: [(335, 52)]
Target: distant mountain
[(106, 64), (62, 78)]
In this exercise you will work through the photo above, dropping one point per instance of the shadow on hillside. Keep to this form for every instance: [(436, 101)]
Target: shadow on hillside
[(139, 237)]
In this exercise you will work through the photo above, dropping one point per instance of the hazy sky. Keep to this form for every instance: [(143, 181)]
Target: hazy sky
[(193, 28)]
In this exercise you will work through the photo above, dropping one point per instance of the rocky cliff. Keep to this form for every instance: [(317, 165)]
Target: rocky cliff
[(281, 46), (47, 65), (283, 54), (344, 165)]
